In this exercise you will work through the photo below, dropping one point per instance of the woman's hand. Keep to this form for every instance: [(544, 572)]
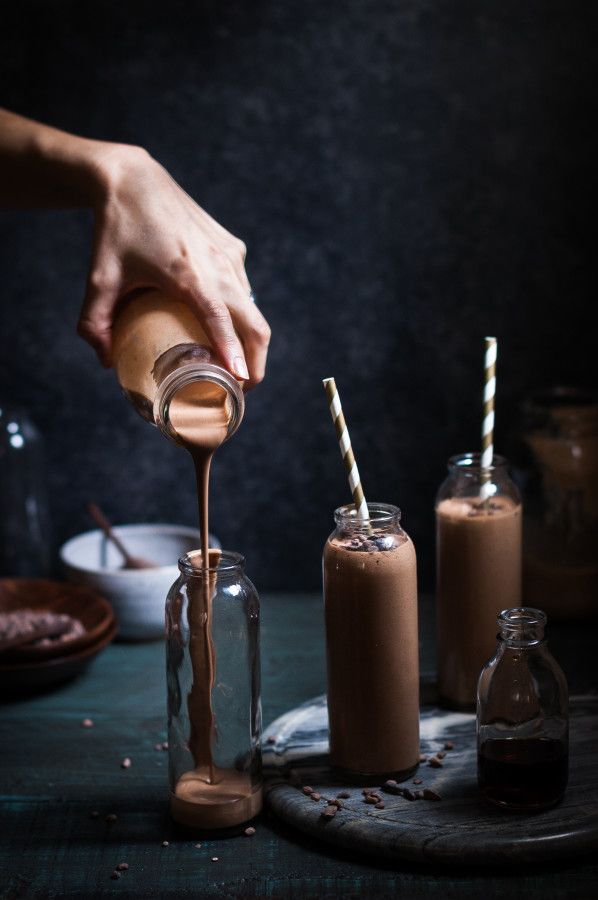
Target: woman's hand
[(150, 233)]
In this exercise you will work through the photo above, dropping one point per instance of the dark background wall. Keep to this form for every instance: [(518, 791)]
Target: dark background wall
[(408, 176)]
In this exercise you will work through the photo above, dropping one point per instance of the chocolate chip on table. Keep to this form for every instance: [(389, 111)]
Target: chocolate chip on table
[(435, 763), (315, 796), (111, 817), (198, 846), (115, 875), (429, 794), (122, 867), (441, 754), (417, 781), (423, 757), (371, 799), (164, 745), (448, 745), (335, 802), (126, 763), (249, 831), (165, 844), (329, 812), (214, 859), (380, 804), (344, 795), (87, 723), (390, 783), (271, 739), (307, 790)]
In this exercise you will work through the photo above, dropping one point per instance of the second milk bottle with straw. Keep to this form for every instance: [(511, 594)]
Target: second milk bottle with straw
[(478, 556), (370, 598)]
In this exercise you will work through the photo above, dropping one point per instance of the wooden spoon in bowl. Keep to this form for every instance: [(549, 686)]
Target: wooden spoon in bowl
[(130, 562)]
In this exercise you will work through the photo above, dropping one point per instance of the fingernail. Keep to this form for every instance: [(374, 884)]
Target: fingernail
[(240, 368)]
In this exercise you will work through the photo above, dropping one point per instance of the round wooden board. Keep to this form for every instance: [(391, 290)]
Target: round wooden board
[(461, 829)]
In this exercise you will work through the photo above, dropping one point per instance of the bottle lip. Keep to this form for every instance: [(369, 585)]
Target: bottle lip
[(380, 514), (228, 561), (187, 374), (522, 625), (471, 463)]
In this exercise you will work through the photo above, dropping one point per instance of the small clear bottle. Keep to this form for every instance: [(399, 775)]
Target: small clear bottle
[(214, 706), (159, 350), (370, 603), (24, 522), (522, 717), (478, 569)]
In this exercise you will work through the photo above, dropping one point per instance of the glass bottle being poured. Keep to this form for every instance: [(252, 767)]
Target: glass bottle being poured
[(170, 373)]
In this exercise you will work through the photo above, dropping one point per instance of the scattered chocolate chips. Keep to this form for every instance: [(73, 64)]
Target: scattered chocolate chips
[(111, 817), (122, 867), (271, 739), (344, 795), (198, 846), (448, 745), (417, 781), (307, 790), (329, 812), (126, 763), (390, 783), (165, 844), (380, 804), (441, 754), (214, 859), (435, 763), (315, 796), (423, 757), (115, 875), (164, 745), (408, 795), (249, 832), (371, 799), (336, 802), (429, 794), (87, 723)]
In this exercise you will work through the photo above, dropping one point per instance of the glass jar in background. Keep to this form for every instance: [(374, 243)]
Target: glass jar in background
[(560, 559), (478, 569), (159, 350), (25, 546), (214, 706), (370, 603), (522, 717)]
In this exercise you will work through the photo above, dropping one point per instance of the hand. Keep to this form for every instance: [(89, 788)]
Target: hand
[(149, 233)]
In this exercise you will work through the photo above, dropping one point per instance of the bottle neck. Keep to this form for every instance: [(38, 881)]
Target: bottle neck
[(382, 516), (224, 564), (521, 627), (198, 372)]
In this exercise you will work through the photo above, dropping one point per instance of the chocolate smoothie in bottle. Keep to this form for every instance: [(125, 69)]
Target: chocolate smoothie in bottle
[(168, 370), (370, 598), (478, 571)]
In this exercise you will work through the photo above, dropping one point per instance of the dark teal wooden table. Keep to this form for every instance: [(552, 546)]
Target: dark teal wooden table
[(54, 773)]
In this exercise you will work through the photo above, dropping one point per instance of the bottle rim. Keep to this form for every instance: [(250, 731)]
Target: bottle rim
[(522, 625), (228, 561), (186, 375), (471, 463), (379, 514)]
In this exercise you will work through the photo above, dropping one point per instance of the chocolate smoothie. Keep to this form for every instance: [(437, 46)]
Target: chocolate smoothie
[(208, 796), (370, 594), (478, 574)]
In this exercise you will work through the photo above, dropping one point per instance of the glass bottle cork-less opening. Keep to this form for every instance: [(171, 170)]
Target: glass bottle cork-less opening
[(214, 709), (522, 717), (202, 386)]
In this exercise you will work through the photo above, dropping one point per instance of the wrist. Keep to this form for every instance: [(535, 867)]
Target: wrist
[(108, 165)]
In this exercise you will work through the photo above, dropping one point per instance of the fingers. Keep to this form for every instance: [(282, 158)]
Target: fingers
[(95, 321), (254, 332)]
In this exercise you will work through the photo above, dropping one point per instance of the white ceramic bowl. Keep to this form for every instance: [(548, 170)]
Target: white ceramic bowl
[(137, 595)]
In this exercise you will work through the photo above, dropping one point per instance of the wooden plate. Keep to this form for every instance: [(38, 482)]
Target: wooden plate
[(83, 603), (30, 676)]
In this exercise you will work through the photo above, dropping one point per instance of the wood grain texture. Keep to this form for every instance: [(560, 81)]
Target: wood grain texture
[(53, 773), (460, 829)]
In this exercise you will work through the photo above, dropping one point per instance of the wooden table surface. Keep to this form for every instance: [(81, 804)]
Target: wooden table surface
[(54, 772)]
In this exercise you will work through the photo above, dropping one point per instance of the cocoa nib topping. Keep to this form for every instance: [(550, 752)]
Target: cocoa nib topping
[(315, 796), (329, 812), (307, 790), (435, 763)]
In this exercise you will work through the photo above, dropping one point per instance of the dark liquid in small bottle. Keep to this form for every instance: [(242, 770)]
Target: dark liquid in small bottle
[(523, 774)]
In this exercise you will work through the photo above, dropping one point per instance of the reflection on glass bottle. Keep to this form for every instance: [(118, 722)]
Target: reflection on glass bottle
[(560, 567), (214, 709), (522, 717), (24, 539)]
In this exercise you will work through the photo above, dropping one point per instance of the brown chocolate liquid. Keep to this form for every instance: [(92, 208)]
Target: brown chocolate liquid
[(372, 655), (478, 575), (208, 796), (524, 773)]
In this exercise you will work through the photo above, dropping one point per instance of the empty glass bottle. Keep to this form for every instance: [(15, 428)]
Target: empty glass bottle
[(522, 717), (214, 708)]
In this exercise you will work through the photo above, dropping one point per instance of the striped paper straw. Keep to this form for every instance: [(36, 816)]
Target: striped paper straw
[(344, 440), (490, 352)]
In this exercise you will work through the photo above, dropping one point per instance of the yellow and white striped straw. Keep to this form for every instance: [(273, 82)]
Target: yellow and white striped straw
[(344, 440), (490, 353)]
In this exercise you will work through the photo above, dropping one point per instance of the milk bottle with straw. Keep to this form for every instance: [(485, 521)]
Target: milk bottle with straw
[(478, 555), (370, 599)]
